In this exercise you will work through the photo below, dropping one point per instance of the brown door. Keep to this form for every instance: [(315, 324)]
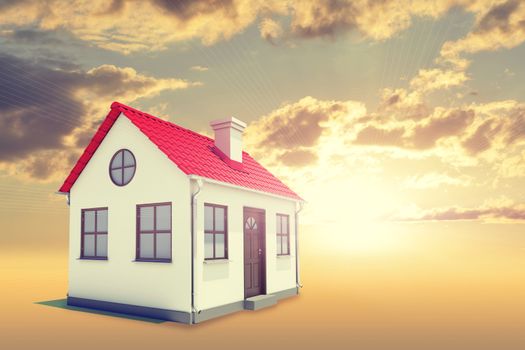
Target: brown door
[(254, 252)]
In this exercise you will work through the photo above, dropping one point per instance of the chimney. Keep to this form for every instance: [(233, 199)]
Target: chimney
[(228, 137)]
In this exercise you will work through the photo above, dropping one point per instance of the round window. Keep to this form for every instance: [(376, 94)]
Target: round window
[(122, 167)]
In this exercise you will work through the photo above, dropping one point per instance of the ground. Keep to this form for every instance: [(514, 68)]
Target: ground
[(409, 299)]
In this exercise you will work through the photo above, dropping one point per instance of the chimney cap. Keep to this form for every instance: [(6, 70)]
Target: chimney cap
[(227, 123)]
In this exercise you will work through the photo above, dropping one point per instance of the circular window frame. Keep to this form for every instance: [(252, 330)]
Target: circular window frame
[(122, 150)]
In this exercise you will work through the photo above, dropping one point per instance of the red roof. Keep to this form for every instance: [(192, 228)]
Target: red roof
[(193, 153)]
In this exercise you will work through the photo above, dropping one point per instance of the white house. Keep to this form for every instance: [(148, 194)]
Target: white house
[(167, 223)]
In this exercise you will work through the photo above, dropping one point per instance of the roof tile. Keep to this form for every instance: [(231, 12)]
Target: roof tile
[(190, 151)]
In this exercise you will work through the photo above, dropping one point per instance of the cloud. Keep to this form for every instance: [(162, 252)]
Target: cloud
[(378, 20), (516, 212), (435, 180), (401, 104), (46, 110), (115, 7), (481, 139), (416, 132), (324, 146), (403, 127), (37, 106), (453, 123), (437, 79), (516, 128), (43, 165), (403, 123), (297, 124), (498, 17), (270, 30), (511, 167), (372, 135), (464, 135), (298, 158), (31, 36), (498, 25), (113, 82), (497, 131), (113, 25), (316, 19), (290, 134)]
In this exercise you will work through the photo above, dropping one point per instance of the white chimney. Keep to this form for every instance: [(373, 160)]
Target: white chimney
[(228, 137)]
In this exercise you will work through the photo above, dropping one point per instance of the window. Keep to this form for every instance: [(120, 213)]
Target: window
[(154, 232), (283, 235), (215, 231), (94, 240), (122, 167)]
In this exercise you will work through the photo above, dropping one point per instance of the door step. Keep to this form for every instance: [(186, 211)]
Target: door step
[(260, 301)]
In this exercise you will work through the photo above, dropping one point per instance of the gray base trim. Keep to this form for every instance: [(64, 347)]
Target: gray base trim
[(170, 315), (223, 310), (286, 293), (260, 302), (218, 311), (161, 314)]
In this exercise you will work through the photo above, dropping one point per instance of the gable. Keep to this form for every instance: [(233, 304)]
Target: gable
[(192, 153), (152, 168)]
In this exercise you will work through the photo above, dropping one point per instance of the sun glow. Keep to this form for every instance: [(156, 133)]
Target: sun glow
[(354, 212)]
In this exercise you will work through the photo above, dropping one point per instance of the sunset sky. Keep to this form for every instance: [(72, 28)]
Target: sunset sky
[(402, 124), (387, 116)]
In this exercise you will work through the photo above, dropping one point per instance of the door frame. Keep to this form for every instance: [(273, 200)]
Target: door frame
[(262, 212)]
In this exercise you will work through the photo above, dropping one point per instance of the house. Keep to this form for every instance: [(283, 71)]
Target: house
[(167, 223)]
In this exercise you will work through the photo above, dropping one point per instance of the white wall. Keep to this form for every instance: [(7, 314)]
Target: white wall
[(222, 283), (120, 279)]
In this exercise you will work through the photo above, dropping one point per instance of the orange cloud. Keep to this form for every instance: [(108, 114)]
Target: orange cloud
[(499, 24), (401, 104), (511, 167), (461, 135), (377, 20), (111, 25), (516, 212), (436, 79), (372, 135), (126, 83), (300, 125), (371, 155), (482, 138), (270, 30), (426, 135), (298, 158)]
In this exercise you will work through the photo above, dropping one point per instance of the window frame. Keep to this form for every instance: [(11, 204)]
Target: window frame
[(282, 235), (122, 167), (215, 232), (138, 232), (95, 233)]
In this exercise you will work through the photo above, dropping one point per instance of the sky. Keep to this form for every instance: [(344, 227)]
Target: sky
[(401, 123), (388, 117)]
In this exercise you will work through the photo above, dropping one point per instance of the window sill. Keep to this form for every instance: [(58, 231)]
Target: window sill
[(166, 261), (92, 258), (284, 256), (216, 261)]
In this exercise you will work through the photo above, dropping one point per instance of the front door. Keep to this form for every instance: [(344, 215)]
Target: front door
[(254, 252)]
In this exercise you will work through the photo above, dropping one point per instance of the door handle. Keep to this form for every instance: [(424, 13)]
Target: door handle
[(260, 251)]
